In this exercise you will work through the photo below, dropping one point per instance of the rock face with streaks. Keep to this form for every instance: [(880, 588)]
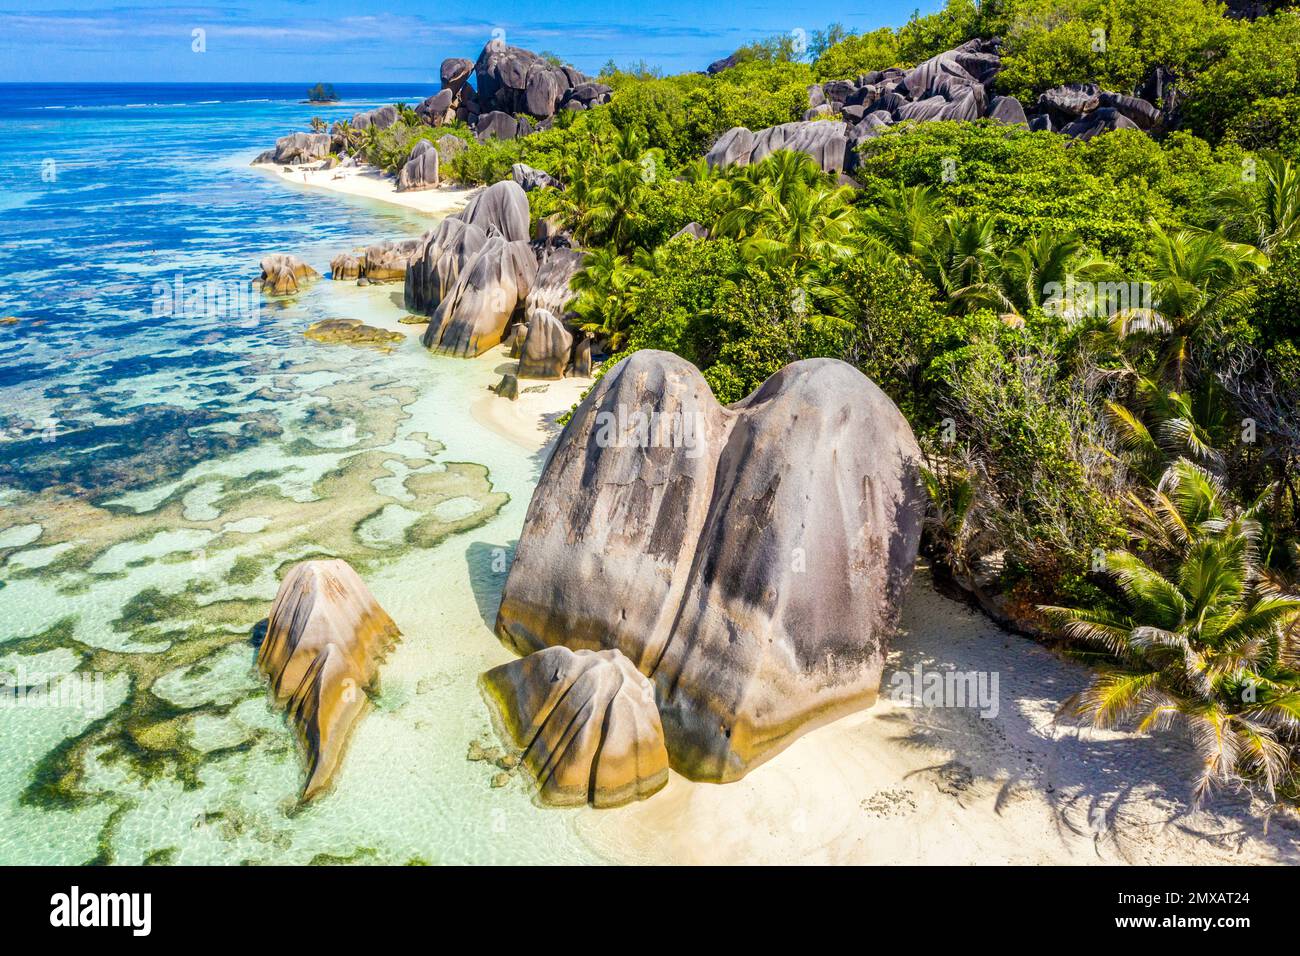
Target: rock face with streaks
[(748, 559), (586, 723), (445, 251), (474, 314), (420, 171), (551, 291), (297, 148), (284, 274), (546, 347), (325, 639)]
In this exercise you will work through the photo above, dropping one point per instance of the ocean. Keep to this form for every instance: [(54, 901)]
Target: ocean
[(169, 444)]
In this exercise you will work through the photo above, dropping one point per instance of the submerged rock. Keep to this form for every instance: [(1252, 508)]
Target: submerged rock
[(325, 638), (352, 332), (586, 722), (284, 274), (749, 559)]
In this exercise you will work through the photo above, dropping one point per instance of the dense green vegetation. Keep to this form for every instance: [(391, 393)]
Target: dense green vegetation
[(1095, 343)]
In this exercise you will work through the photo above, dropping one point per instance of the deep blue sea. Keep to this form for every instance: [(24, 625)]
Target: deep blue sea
[(161, 465)]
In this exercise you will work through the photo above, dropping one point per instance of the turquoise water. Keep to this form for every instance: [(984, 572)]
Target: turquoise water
[(162, 463)]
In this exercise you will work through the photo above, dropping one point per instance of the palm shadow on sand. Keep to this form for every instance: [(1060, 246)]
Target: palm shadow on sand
[(1121, 790)]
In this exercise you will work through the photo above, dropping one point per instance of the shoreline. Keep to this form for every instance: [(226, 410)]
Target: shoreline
[(369, 182)]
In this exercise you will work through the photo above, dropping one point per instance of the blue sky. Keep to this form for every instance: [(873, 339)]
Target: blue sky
[(383, 40)]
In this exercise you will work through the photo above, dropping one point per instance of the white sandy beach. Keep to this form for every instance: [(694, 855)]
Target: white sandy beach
[(368, 182)]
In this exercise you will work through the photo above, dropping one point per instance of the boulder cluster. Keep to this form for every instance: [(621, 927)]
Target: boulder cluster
[(515, 92), (325, 638), (381, 262), (481, 281), (747, 560), (957, 84)]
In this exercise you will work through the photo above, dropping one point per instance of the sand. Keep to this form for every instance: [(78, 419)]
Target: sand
[(369, 182), (901, 784)]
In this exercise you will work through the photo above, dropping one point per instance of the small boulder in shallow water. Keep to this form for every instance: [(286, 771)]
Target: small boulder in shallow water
[(284, 275), (325, 639), (586, 722), (508, 387)]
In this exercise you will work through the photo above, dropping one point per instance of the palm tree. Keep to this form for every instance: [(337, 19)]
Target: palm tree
[(1207, 643), (1266, 211), (1036, 270), (1168, 424), (606, 288), (904, 222), (785, 213), (1198, 280), (317, 125)]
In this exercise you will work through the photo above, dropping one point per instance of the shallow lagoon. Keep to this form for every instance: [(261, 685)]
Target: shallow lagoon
[(158, 473)]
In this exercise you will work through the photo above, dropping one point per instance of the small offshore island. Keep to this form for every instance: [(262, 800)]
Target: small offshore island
[(909, 424)]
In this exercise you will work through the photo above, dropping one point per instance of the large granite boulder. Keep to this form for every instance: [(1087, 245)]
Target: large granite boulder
[(284, 274), (580, 367), (438, 109), (514, 80), (824, 140), (503, 205), (1101, 120), (388, 261), (496, 124), (749, 560), (450, 145), (546, 348), (586, 723), (1064, 104), (732, 148), (1143, 114), (325, 638), (455, 73), (380, 118), (298, 149), (421, 170), (475, 312), (1008, 111)]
